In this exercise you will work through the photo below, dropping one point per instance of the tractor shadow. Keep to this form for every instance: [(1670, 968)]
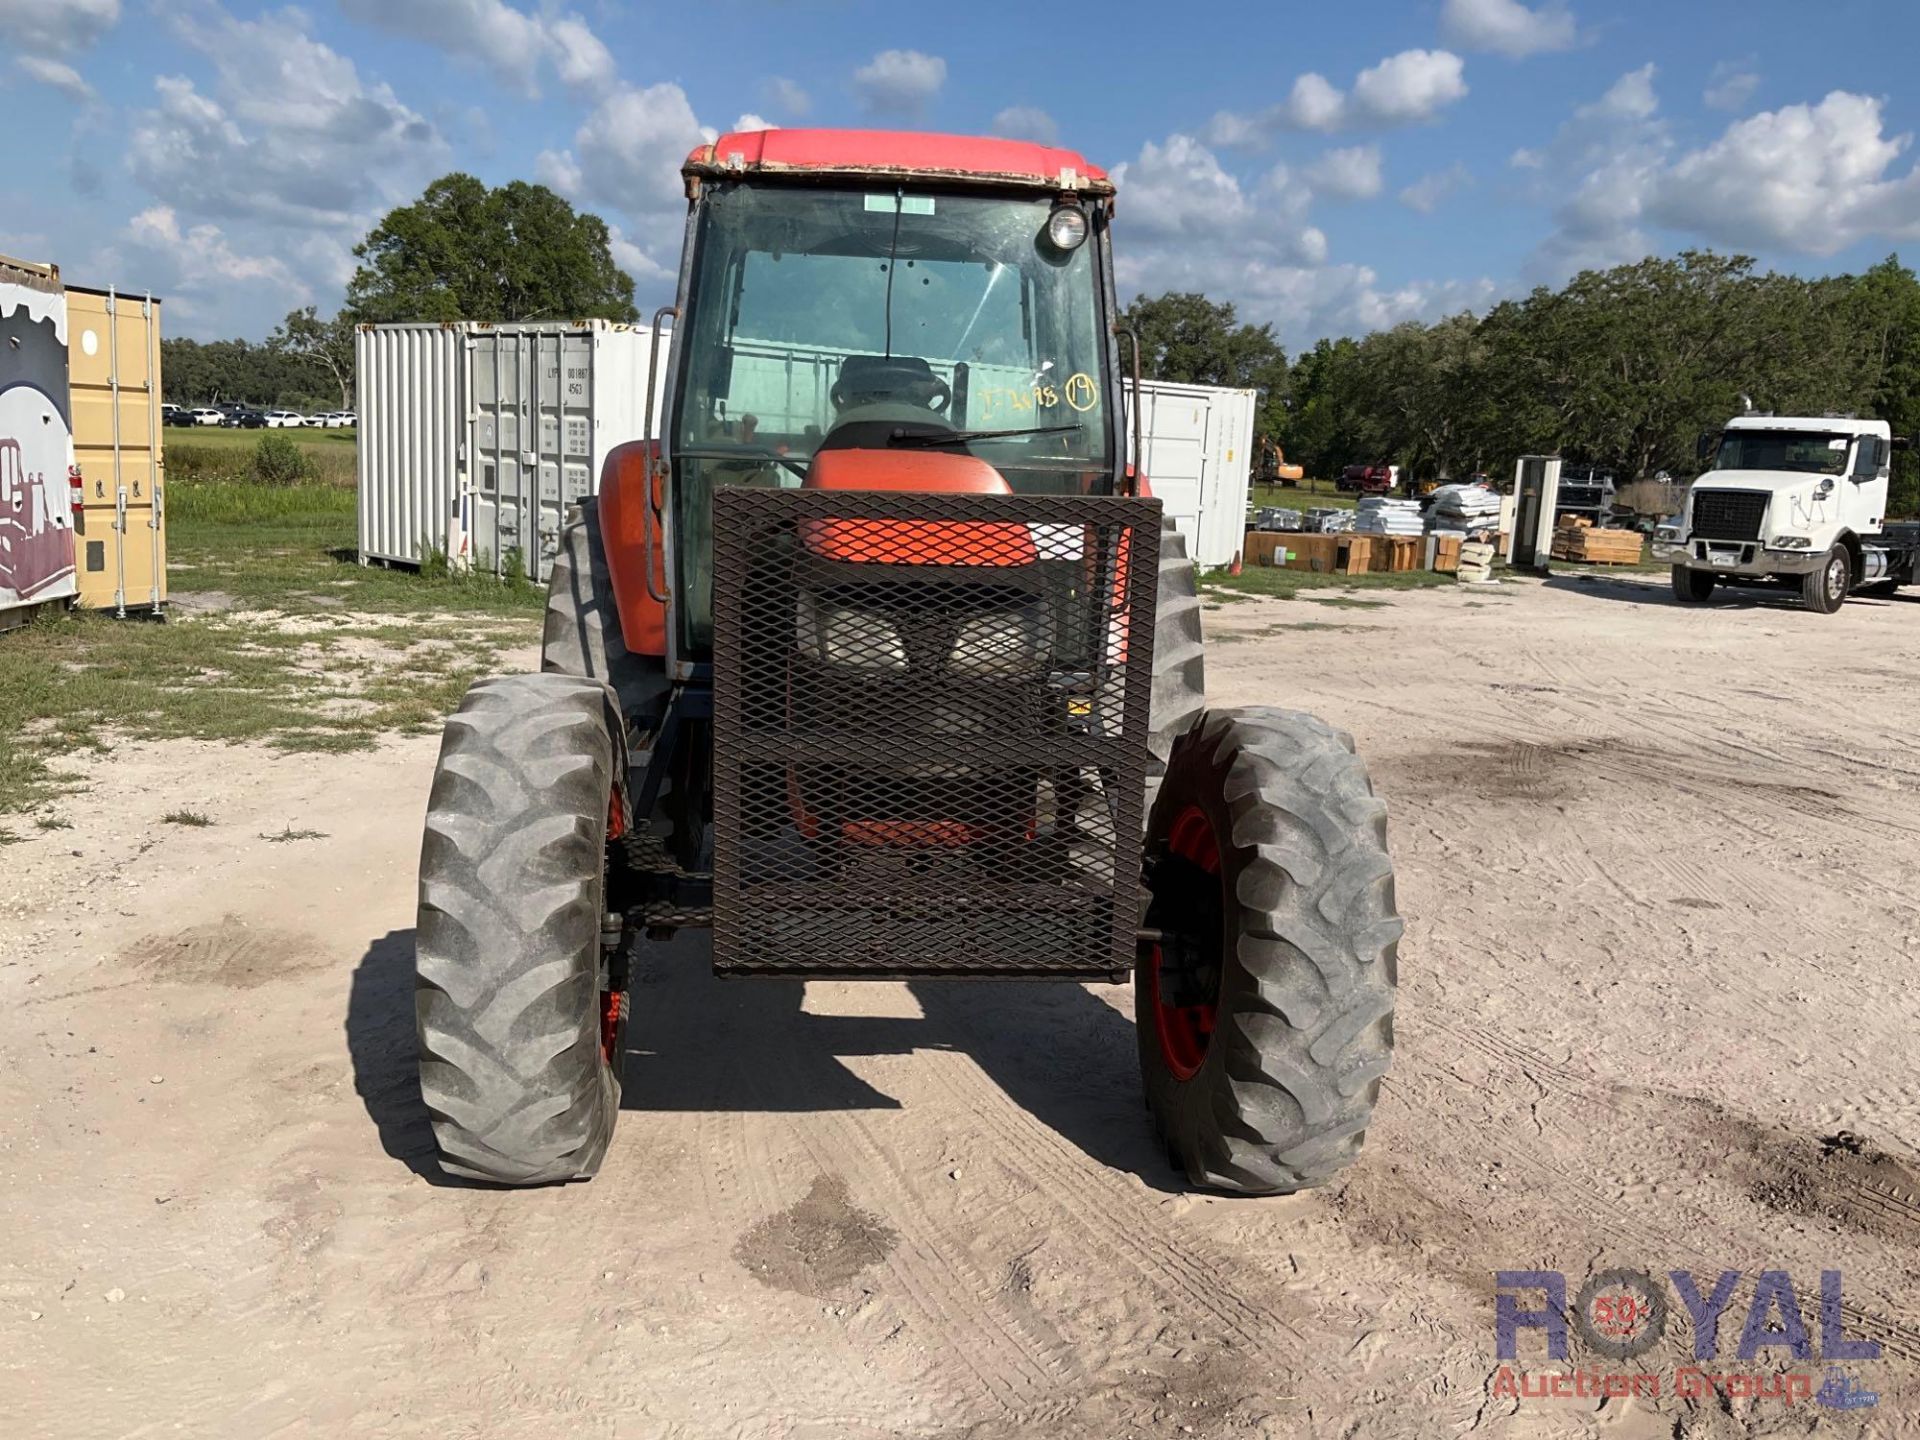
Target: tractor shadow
[(1725, 597), (696, 1043)]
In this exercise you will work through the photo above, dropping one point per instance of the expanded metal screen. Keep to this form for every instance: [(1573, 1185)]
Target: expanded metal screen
[(930, 731)]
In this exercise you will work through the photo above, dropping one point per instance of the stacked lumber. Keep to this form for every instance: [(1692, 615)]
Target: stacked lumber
[(1577, 538)]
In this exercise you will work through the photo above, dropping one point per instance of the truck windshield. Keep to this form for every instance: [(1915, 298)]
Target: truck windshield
[(1810, 452), (873, 317)]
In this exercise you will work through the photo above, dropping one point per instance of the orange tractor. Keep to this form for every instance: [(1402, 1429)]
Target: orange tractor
[(882, 662)]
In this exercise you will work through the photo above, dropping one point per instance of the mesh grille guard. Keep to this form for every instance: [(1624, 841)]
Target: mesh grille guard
[(930, 731)]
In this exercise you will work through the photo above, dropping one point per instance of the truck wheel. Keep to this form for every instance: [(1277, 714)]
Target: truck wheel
[(518, 1024), (581, 634), (1264, 1010), (1691, 587), (1825, 589), (1179, 656)]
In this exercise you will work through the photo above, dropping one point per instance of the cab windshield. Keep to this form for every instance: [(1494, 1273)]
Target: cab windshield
[(1807, 451), (876, 318)]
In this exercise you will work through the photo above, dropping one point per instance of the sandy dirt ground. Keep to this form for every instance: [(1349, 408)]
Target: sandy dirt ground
[(1659, 871)]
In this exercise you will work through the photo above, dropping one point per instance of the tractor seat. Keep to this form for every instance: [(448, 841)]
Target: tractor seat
[(877, 379)]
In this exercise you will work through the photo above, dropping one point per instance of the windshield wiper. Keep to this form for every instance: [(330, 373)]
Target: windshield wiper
[(965, 437)]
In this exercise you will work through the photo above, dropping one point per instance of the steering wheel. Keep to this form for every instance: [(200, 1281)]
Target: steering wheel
[(880, 379)]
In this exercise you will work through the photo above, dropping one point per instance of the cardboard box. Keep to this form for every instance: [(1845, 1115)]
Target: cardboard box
[(1317, 553), (1353, 554)]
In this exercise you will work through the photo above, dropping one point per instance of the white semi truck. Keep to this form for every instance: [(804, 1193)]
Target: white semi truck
[(1795, 499)]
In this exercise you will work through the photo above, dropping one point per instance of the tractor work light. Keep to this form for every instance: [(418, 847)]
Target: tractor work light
[(1067, 228)]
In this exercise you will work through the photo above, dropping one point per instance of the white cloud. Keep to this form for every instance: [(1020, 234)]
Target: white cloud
[(1507, 27), (289, 132), (511, 44), (1026, 122), (1630, 97), (1350, 174), (1526, 159), (787, 95), (57, 73), (1430, 192), (628, 152), (1405, 89), (751, 121), (1412, 86), (900, 82), (1731, 85), (1185, 223), (54, 28), (1809, 179)]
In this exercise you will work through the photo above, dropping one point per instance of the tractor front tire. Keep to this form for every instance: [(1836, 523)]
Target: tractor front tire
[(1265, 1009), (1179, 657), (517, 1021)]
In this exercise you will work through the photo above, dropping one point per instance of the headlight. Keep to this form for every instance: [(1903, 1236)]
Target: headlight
[(1007, 642), (1666, 534), (1067, 227), (1790, 542), (852, 639)]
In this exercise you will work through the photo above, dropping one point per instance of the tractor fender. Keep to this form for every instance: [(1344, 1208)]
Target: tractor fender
[(632, 540)]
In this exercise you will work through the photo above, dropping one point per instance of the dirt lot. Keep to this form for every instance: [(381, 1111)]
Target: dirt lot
[(1659, 873)]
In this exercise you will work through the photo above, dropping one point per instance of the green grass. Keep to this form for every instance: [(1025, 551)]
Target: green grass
[(1307, 495), (192, 818), (209, 453), (278, 637)]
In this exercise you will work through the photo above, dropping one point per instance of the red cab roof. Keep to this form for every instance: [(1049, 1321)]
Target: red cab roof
[(897, 154)]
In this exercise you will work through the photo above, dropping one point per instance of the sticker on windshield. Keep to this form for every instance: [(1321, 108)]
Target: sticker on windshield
[(908, 204), (1082, 393)]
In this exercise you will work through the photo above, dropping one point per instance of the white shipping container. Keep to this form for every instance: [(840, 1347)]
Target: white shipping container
[(476, 437), (1198, 441)]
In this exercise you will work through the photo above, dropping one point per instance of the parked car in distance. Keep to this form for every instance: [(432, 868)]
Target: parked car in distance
[(1366, 479), (247, 418), (284, 420), (332, 419), (171, 414), (207, 415)]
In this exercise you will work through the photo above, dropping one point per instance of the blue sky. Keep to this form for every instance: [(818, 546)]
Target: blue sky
[(1329, 168)]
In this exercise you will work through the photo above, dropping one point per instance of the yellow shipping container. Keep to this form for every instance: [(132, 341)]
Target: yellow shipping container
[(113, 366)]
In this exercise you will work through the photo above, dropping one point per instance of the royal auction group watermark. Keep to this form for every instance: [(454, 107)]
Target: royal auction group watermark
[(1621, 1315)]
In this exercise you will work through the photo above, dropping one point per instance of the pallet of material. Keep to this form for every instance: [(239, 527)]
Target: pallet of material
[(1476, 562), (1446, 552), (1577, 539), (1395, 553)]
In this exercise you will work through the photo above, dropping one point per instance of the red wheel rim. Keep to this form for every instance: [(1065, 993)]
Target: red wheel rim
[(611, 1004), (1185, 1031)]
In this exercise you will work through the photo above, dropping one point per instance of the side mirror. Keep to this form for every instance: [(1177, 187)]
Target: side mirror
[(1901, 442), (1882, 452), (1703, 448)]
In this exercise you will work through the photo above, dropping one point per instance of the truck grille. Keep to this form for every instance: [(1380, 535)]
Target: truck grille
[(930, 731), (1728, 514)]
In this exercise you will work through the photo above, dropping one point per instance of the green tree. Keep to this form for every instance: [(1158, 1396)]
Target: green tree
[(466, 252), (1197, 341), (326, 345)]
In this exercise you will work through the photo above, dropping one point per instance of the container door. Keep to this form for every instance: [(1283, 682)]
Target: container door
[(500, 483), (581, 356), (36, 524), (114, 346), (1175, 439)]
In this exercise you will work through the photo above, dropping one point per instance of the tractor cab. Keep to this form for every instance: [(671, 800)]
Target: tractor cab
[(958, 306)]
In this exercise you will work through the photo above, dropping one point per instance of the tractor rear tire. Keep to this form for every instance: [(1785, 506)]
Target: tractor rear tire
[(581, 634), (1179, 656), (1265, 1011), (1692, 587), (518, 1060)]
